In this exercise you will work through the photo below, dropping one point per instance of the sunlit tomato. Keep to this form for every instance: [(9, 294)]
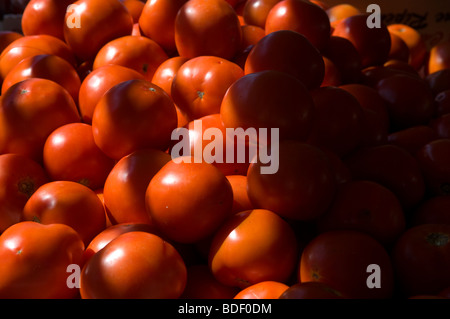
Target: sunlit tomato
[(341, 11), (45, 66), (97, 83), (399, 50), (332, 76), (263, 290), (20, 176), (27, 46), (200, 84), (402, 66), (7, 37), (341, 260), (279, 50), (439, 81), (413, 138), (132, 115), (441, 126), (100, 21), (251, 34), (392, 167), (165, 73), (421, 259), (135, 8), (67, 203), (70, 154), (35, 258), (207, 27), (134, 265), (255, 11), (373, 44), (413, 40), (251, 247), (29, 112), (241, 201), (99, 193), (45, 17), (303, 17), (135, 52), (269, 99), (433, 211), (125, 186), (442, 103), (409, 100), (188, 201), (301, 189), (201, 284), (311, 290), (157, 21)]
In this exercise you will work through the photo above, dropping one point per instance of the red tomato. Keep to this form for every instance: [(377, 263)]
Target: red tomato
[(414, 41), (251, 35), (200, 84), (35, 258), (241, 201), (442, 103), (263, 290), (29, 112), (126, 184), (132, 115), (135, 52), (439, 81), (433, 210), (71, 154), (255, 11), (279, 50), (399, 50), (235, 259), (332, 76), (20, 176), (100, 21), (165, 73), (339, 12), (413, 138), (341, 258), (134, 265), (441, 126), (135, 8), (421, 259), (7, 37), (311, 290), (69, 203), (188, 201), (207, 27)]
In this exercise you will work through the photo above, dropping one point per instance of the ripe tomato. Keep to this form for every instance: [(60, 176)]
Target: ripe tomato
[(134, 265), (332, 77), (35, 258), (251, 34), (255, 11), (441, 126), (71, 154), (311, 290), (100, 22), (69, 203), (207, 27), (241, 201), (200, 84), (135, 52), (303, 17), (341, 258), (165, 73), (442, 103), (438, 81), (7, 37), (399, 50), (279, 50), (97, 82), (301, 189), (132, 115), (251, 247), (29, 112), (126, 184), (433, 210), (188, 201), (20, 176), (421, 259), (339, 12), (269, 99), (135, 8), (413, 138), (263, 290)]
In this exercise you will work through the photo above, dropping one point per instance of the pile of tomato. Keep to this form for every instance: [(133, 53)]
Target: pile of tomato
[(93, 205)]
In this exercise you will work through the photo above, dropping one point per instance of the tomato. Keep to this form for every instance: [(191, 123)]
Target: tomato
[(71, 154), (165, 73), (303, 17), (279, 50), (338, 167), (441, 126), (45, 66), (421, 259), (6, 37), (241, 201), (29, 112), (438, 81), (332, 76), (413, 138), (392, 167), (255, 11), (311, 290), (157, 21), (251, 34), (201, 284), (207, 27), (67, 203), (135, 8), (132, 115), (402, 66), (20, 176), (263, 290), (134, 265), (135, 52), (442, 103), (373, 44), (35, 258), (126, 184), (341, 11), (341, 258), (100, 22), (45, 17), (200, 84), (97, 82), (433, 210), (269, 99), (251, 247), (399, 50), (188, 201), (301, 189)]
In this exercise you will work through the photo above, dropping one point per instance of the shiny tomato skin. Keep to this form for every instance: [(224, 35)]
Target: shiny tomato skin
[(35, 258), (241, 201), (166, 71), (255, 11), (263, 290), (6, 37)]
